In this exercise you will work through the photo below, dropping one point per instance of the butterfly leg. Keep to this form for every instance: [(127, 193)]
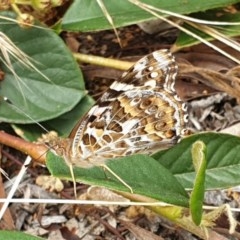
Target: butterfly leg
[(74, 180), (105, 167)]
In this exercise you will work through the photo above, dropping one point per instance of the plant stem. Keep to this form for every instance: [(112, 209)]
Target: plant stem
[(36, 151), (101, 61)]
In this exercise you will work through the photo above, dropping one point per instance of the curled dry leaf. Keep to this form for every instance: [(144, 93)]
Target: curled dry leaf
[(223, 82), (203, 65)]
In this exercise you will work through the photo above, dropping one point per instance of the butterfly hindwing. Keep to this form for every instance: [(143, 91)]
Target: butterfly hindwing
[(140, 112)]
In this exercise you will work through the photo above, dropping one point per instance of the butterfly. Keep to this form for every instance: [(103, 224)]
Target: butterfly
[(139, 113)]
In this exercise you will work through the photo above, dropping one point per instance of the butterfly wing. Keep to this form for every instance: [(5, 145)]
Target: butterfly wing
[(140, 113)]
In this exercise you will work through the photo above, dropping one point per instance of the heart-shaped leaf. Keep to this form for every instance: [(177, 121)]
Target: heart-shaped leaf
[(33, 97)]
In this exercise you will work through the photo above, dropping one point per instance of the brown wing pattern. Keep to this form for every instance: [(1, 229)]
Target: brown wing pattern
[(140, 113)]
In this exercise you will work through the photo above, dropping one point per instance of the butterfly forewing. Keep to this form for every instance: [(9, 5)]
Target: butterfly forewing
[(140, 112)]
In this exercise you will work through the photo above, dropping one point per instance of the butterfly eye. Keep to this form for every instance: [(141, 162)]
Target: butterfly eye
[(60, 151)]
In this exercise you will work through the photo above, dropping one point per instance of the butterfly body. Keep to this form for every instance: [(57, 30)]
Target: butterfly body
[(139, 113)]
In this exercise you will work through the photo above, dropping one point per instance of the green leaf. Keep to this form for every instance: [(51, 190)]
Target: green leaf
[(185, 40), (63, 125), (223, 160), (66, 122), (197, 194), (29, 132), (10, 235), (87, 16), (33, 95), (142, 173)]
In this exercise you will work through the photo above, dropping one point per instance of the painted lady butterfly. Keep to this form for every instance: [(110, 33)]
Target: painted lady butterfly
[(139, 113)]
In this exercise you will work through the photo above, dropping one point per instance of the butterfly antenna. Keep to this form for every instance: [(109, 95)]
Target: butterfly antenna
[(21, 111), (105, 167)]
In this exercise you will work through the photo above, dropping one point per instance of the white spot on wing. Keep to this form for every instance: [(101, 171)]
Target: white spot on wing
[(154, 74), (118, 86), (99, 111), (139, 66), (150, 83), (128, 125), (150, 68)]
